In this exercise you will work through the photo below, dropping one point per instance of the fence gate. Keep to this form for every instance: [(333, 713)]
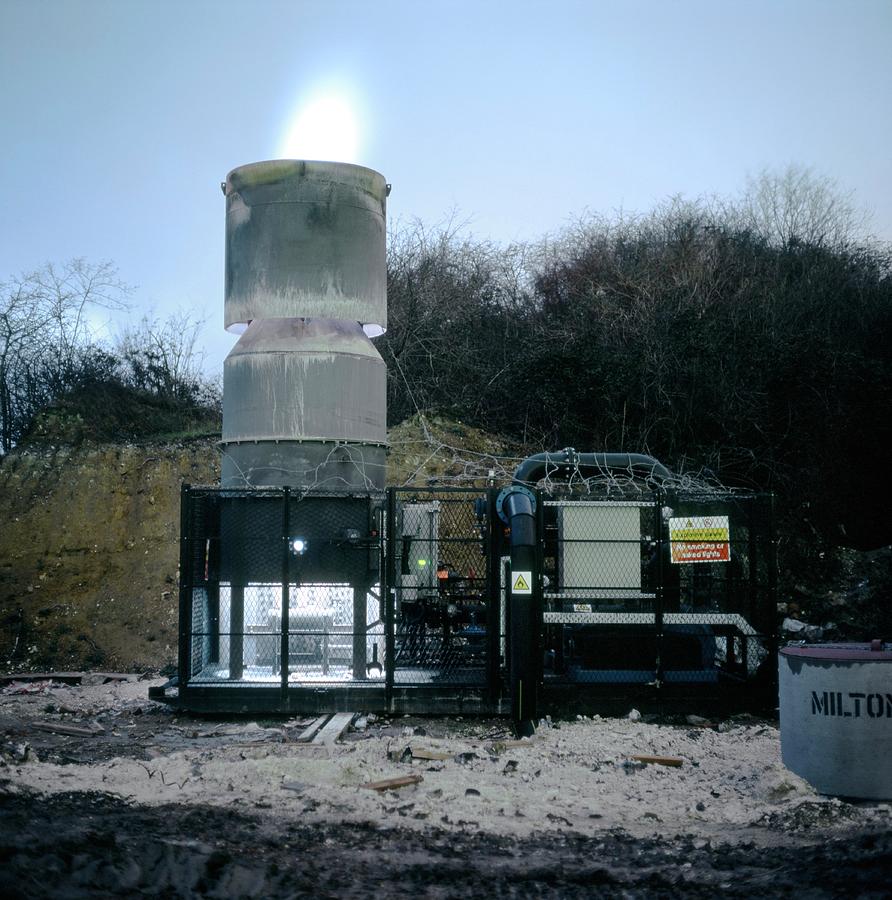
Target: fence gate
[(444, 609), (672, 595)]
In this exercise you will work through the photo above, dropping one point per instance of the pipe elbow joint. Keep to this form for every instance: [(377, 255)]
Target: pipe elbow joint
[(515, 500)]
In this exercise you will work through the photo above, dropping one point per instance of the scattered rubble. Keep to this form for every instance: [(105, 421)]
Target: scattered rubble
[(588, 779), (802, 630), (695, 775)]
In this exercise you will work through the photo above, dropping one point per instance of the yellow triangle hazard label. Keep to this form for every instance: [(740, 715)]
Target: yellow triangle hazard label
[(521, 585)]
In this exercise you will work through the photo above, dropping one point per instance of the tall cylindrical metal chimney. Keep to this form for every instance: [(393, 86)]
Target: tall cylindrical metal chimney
[(304, 392)]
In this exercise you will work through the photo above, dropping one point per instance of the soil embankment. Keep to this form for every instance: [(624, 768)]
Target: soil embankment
[(89, 543), (89, 553), (90, 538)]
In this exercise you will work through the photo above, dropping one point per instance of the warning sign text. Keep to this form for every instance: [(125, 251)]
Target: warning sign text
[(700, 539)]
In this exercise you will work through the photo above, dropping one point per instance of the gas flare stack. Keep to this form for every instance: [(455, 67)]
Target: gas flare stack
[(304, 422)]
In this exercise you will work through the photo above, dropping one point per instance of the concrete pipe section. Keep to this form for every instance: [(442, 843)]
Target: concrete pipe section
[(305, 239), (301, 394), (306, 285), (836, 717)]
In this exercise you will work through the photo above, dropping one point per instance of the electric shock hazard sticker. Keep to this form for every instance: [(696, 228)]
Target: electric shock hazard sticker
[(521, 582)]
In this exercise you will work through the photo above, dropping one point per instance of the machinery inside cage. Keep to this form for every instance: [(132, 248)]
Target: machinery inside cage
[(403, 601)]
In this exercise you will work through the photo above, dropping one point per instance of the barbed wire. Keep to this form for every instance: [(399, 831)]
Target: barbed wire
[(462, 467), (466, 467), (310, 480)]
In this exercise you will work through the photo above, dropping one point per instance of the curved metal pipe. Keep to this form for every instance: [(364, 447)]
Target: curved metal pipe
[(568, 463), (520, 513)]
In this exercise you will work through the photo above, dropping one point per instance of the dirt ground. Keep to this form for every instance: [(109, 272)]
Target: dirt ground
[(146, 800)]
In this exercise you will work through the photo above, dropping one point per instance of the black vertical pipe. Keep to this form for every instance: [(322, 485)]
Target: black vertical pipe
[(494, 529), (360, 617), (769, 604), (184, 649), (389, 588), (523, 628), (664, 548), (285, 618), (753, 568), (213, 580), (213, 589), (538, 598)]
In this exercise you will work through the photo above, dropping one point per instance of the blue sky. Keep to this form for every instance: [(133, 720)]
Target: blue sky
[(120, 119)]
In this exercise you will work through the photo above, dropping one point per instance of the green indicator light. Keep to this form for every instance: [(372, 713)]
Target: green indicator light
[(422, 563)]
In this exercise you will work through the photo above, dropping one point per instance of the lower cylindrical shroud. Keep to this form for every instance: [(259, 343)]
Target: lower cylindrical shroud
[(304, 405)]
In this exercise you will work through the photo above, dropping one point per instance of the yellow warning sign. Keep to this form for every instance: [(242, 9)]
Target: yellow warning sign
[(521, 583), (700, 539)]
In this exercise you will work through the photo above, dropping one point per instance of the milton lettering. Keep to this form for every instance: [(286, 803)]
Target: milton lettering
[(851, 705)]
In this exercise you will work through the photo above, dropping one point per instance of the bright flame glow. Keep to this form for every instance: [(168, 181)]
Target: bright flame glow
[(323, 128)]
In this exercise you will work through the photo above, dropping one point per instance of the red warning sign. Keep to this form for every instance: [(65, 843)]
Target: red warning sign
[(701, 539)]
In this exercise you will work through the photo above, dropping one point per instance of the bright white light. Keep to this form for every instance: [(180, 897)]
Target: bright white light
[(324, 127), (298, 545)]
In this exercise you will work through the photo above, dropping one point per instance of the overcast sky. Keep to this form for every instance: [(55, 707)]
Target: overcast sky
[(120, 119)]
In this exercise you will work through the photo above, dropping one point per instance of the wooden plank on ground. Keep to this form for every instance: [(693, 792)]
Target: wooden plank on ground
[(91, 678), (310, 731), (335, 727), (72, 730), (674, 761), (421, 753), (64, 677), (386, 784), (497, 748)]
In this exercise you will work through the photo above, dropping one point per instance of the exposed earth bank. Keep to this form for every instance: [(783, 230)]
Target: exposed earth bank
[(89, 543)]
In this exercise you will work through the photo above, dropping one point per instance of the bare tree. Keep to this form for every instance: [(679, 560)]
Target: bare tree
[(161, 357), (44, 335), (798, 204)]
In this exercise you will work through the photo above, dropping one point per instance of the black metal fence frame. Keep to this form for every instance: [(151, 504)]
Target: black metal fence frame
[(491, 694), (744, 623)]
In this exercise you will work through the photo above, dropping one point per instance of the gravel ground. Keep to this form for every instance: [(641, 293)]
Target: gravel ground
[(163, 803)]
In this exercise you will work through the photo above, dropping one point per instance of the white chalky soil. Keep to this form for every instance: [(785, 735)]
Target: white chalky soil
[(577, 777)]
